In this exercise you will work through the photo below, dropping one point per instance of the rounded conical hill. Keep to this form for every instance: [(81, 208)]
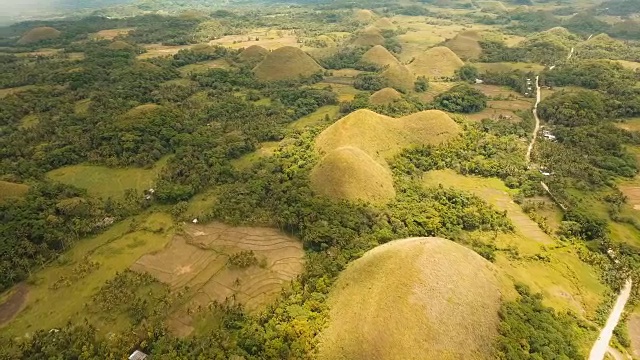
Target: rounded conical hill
[(286, 63), (417, 298), (370, 36), (466, 45), (379, 55), (253, 54), (363, 15), (384, 23), (39, 34), (382, 136), (384, 96), (365, 179), (399, 77), (436, 62)]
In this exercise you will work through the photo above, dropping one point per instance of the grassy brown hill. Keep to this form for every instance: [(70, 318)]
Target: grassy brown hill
[(355, 147), (384, 23), (10, 190), (382, 136), (370, 36), (436, 62), (384, 96), (367, 180), (380, 56), (39, 34), (364, 15), (417, 298), (399, 77), (253, 54), (466, 45), (286, 63)]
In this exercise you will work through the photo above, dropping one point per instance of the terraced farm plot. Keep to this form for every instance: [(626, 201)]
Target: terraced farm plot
[(102, 181), (198, 259)]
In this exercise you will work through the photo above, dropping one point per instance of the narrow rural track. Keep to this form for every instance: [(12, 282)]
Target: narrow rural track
[(527, 157), (601, 345)]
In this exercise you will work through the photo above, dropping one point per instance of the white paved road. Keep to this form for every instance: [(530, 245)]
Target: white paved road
[(602, 343)]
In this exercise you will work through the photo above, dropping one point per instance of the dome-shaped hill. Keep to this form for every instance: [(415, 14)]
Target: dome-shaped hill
[(363, 15), (253, 54), (417, 298), (286, 63), (370, 36), (384, 23), (436, 62), (39, 34), (466, 45), (399, 77), (380, 56), (384, 96), (120, 45), (601, 46), (382, 136), (366, 179), (376, 137)]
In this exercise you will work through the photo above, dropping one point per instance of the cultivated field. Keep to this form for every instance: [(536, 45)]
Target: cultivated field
[(419, 298), (197, 259), (157, 50), (107, 182), (48, 303), (564, 280)]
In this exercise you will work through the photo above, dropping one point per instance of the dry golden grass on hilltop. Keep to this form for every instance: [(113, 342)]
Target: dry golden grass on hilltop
[(384, 23), (370, 36), (379, 55), (120, 45), (466, 45), (382, 136), (399, 77), (39, 34), (253, 54), (384, 96), (417, 298), (286, 63), (349, 173), (436, 62), (356, 146), (364, 15)]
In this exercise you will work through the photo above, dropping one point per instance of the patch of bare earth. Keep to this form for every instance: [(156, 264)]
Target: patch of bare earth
[(633, 195), (197, 260), (634, 334), (13, 304)]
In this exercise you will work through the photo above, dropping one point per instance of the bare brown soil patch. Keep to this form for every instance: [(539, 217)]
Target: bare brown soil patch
[(14, 302), (633, 195), (197, 260)]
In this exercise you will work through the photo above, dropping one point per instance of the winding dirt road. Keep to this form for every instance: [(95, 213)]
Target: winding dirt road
[(601, 345), (527, 157)]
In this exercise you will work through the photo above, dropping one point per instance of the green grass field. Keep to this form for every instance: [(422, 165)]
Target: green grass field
[(115, 250), (105, 182), (316, 117), (565, 281)]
